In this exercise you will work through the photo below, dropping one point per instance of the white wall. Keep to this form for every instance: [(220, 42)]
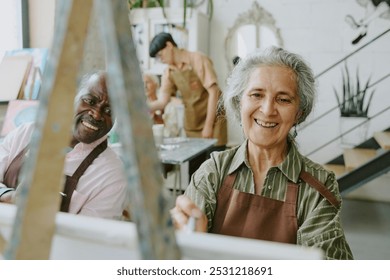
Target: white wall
[(10, 26), (41, 13), (317, 30)]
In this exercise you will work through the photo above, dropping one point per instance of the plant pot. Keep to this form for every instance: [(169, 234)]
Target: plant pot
[(353, 131), (176, 3)]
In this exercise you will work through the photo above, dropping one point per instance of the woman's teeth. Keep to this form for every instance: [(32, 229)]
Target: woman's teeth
[(266, 124)]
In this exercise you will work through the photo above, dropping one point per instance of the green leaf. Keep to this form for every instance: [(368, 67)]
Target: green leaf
[(352, 101)]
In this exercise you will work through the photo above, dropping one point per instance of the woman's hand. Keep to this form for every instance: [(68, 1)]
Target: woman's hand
[(185, 209)]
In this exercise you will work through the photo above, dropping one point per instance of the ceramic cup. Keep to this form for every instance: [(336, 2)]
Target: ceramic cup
[(158, 134)]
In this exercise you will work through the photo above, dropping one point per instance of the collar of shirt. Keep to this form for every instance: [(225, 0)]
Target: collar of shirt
[(185, 61), (290, 167), (83, 149)]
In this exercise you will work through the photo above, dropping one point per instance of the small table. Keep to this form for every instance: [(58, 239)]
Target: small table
[(179, 150)]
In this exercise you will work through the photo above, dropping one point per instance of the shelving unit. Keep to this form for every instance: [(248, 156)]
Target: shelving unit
[(148, 22)]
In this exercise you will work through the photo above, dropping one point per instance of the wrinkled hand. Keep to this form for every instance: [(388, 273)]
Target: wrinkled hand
[(185, 209)]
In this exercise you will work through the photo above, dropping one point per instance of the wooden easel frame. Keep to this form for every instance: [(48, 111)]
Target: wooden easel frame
[(42, 175)]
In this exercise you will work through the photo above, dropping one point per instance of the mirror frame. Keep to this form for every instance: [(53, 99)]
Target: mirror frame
[(257, 16)]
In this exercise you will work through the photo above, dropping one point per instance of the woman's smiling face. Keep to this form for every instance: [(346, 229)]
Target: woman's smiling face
[(270, 106)]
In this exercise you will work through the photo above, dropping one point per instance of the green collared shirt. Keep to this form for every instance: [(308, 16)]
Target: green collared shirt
[(318, 221)]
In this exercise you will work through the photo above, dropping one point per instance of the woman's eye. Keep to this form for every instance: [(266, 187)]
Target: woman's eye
[(284, 100), (255, 95)]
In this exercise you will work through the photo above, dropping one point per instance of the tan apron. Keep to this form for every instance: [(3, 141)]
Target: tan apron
[(195, 99), (254, 216), (13, 170)]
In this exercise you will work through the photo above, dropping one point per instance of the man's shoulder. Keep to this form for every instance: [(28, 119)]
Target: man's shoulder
[(197, 55), (26, 126), (110, 165), (110, 155), (23, 129)]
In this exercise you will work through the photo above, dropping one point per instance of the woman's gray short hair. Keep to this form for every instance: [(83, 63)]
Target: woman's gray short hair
[(273, 56)]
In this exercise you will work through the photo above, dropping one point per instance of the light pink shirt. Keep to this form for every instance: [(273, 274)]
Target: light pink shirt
[(101, 191)]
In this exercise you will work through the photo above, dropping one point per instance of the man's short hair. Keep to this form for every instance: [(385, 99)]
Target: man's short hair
[(159, 42)]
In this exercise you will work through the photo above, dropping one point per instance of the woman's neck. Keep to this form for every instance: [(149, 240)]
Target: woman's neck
[(262, 159)]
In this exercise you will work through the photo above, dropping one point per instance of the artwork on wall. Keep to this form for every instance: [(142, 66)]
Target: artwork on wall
[(374, 9), (14, 73), (18, 113), (27, 68)]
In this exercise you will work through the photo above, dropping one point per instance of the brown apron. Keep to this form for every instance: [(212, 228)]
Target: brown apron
[(71, 181), (195, 99), (254, 216), (13, 170)]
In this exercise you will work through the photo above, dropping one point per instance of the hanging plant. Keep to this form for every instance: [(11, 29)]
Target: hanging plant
[(160, 3), (196, 4)]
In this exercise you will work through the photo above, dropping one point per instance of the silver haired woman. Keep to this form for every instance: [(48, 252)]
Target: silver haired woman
[(264, 188)]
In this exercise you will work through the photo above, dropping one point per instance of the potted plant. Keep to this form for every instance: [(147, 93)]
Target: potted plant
[(354, 101), (161, 3), (145, 3)]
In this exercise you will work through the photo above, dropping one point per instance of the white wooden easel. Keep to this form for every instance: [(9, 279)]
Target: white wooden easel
[(38, 203)]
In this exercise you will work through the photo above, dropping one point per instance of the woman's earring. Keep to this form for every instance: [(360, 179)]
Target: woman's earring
[(295, 133)]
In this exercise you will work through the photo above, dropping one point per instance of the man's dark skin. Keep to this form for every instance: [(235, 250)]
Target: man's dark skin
[(92, 118)]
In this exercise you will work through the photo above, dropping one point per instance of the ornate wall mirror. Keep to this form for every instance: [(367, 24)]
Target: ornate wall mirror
[(254, 29)]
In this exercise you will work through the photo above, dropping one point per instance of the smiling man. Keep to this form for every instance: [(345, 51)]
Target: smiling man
[(95, 181)]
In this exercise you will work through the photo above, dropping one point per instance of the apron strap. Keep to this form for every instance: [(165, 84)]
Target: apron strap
[(290, 196), (308, 178), (229, 180), (71, 181)]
